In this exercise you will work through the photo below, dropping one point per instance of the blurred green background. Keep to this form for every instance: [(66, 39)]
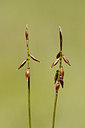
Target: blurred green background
[(43, 18)]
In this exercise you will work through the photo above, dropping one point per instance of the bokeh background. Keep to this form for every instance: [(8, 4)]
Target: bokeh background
[(43, 18)]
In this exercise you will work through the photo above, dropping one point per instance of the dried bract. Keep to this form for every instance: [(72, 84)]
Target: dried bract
[(22, 64), (66, 60), (55, 62), (34, 58)]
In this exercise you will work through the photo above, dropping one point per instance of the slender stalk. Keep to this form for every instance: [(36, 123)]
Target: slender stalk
[(54, 112), (59, 73), (29, 107), (56, 96), (28, 73)]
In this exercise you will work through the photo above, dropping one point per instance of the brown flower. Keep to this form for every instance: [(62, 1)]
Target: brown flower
[(26, 32), (56, 76), (61, 81), (57, 86), (27, 73), (60, 38), (62, 72)]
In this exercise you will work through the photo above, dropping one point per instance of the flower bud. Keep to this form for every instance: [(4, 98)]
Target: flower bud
[(62, 72), (27, 73), (57, 86), (61, 81), (26, 32), (56, 76), (60, 38)]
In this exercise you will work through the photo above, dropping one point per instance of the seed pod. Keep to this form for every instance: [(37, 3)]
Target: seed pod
[(27, 73), (62, 72), (66, 60), (57, 86), (56, 76), (34, 58), (60, 38), (26, 32), (61, 81), (55, 62), (22, 64)]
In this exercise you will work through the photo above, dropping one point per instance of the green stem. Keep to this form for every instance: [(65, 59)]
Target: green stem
[(29, 108), (54, 112)]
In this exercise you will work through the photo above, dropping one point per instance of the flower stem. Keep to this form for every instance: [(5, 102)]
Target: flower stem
[(54, 112), (29, 108)]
